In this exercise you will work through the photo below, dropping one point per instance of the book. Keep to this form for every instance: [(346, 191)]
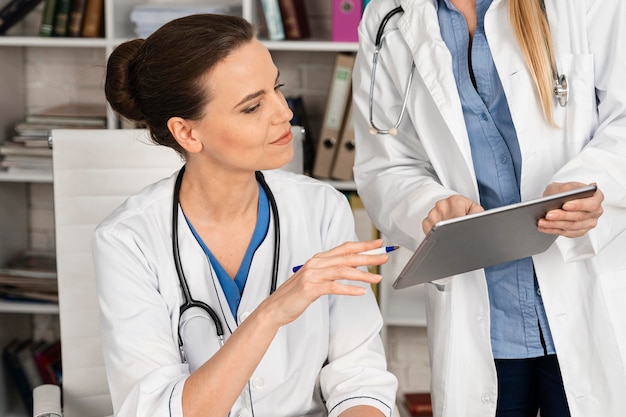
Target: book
[(17, 374), (46, 28), (346, 15), (31, 141), (93, 19), (418, 403), (62, 17), (273, 20), (73, 114), (14, 11), (295, 19), (75, 23), (334, 116), (32, 264), (344, 160), (27, 362), (42, 130), (15, 148), (47, 358)]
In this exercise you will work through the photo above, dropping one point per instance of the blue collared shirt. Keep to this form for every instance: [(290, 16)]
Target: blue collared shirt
[(519, 326)]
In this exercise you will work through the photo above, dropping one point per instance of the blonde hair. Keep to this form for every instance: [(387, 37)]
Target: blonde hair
[(530, 24)]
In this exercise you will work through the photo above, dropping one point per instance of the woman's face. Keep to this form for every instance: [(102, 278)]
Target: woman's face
[(246, 123)]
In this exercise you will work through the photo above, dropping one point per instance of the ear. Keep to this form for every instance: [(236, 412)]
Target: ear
[(183, 132)]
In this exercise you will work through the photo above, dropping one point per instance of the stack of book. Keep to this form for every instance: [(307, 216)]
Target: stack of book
[(28, 150), (285, 19), (73, 18), (15, 157), (30, 363), (30, 277), (14, 11), (148, 17)]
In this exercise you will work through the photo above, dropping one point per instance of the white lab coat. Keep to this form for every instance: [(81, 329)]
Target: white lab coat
[(582, 280), (332, 352)]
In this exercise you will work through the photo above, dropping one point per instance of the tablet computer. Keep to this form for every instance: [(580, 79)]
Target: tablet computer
[(483, 239)]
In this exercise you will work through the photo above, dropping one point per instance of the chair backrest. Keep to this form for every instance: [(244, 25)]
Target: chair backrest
[(94, 172)]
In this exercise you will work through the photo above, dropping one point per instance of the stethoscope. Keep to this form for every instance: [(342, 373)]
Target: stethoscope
[(560, 81), (188, 301)]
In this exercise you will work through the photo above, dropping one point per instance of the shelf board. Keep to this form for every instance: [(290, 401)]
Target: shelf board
[(401, 321), (28, 308), (316, 45), (53, 42), (24, 176)]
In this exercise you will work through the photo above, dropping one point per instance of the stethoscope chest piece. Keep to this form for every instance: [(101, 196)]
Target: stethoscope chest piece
[(561, 90)]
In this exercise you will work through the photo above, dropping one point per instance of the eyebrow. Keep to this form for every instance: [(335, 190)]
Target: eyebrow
[(255, 94)]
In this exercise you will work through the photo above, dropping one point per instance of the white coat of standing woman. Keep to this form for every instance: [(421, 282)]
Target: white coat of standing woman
[(206, 87), (482, 129)]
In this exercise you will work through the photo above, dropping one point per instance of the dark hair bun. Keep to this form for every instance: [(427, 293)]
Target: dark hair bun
[(118, 83)]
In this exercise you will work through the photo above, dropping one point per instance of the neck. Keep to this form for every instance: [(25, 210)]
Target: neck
[(220, 197)]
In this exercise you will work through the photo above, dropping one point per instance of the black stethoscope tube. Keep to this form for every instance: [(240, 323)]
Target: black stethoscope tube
[(561, 90), (188, 300)]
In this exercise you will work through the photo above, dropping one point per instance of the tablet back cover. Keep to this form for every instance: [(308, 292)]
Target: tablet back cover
[(483, 239)]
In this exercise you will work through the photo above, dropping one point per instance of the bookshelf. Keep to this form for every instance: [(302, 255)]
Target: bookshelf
[(17, 48)]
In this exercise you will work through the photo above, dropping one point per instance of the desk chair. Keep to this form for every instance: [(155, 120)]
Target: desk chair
[(94, 172)]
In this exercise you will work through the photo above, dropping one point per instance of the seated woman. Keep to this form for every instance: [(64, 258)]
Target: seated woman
[(225, 233)]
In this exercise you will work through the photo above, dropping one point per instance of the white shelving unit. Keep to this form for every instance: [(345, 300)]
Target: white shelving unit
[(399, 308)]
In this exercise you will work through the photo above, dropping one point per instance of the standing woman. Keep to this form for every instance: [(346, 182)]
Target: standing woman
[(294, 344), (485, 126)]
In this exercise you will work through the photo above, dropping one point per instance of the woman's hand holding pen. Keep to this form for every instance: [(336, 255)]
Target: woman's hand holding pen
[(576, 217), (322, 275)]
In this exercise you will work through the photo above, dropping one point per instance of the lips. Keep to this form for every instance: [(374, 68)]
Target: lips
[(284, 139)]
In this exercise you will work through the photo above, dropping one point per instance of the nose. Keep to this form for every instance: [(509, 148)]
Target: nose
[(283, 112)]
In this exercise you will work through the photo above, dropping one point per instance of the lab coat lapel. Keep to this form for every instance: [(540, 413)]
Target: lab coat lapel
[(259, 277), (521, 93), (433, 61)]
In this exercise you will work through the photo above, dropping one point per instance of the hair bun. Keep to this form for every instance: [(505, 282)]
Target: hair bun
[(117, 88)]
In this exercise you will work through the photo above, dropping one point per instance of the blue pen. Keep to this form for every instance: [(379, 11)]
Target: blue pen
[(377, 251)]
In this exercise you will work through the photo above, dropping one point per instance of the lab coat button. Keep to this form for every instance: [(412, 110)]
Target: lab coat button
[(486, 398), (258, 383), (243, 316)]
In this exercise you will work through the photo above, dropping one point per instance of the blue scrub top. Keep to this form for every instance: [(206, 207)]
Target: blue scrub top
[(233, 288)]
